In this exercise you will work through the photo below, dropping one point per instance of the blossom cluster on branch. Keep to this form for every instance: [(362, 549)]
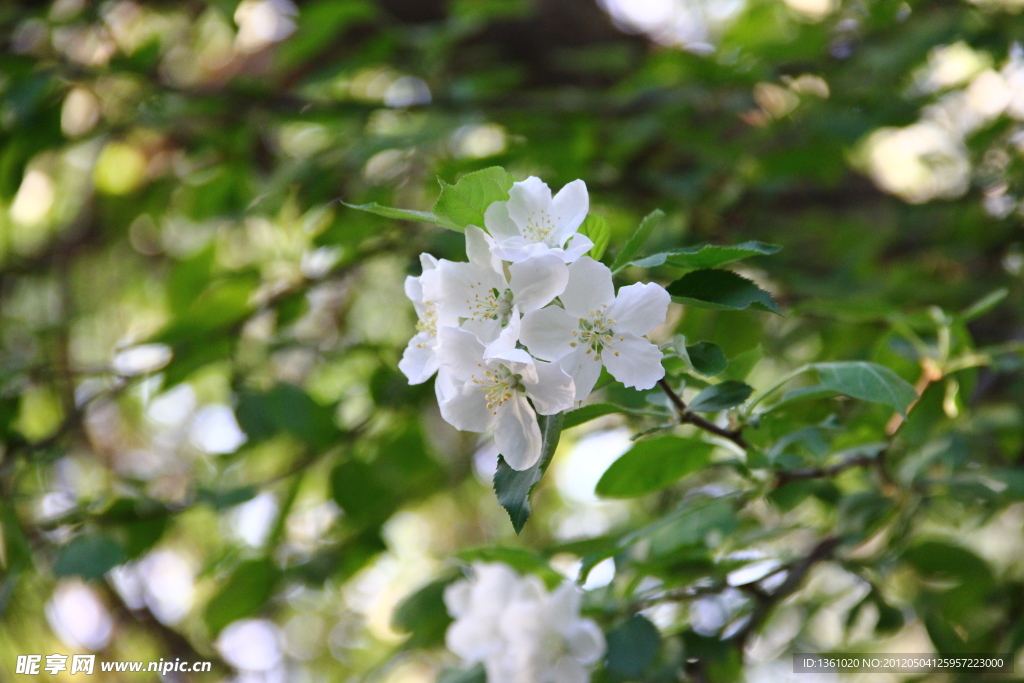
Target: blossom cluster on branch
[(519, 631), (525, 325)]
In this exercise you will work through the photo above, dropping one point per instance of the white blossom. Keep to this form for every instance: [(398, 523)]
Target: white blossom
[(596, 327), (519, 631), (477, 393), (531, 222), (419, 362), (485, 301)]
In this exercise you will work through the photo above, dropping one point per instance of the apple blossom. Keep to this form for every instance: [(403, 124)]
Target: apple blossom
[(531, 222), (419, 361), (483, 299), (518, 630), (596, 327), (481, 393)]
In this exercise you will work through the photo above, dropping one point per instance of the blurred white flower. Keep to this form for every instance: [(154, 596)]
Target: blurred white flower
[(78, 617), (919, 163), (518, 630), (251, 644), (263, 22)]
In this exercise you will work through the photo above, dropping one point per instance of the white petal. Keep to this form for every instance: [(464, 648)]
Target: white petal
[(584, 368), (547, 333), (516, 433), (428, 262), (506, 340), (516, 249), (578, 246), (498, 222), (590, 287), (564, 607), (633, 360), (553, 391), (538, 280), (461, 353), (419, 361), (529, 200), (456, 597), (640, 308), (570, 208), (466, 409), (466, 289), (586, 642), (478, 247), (486, 330), (414, 290)]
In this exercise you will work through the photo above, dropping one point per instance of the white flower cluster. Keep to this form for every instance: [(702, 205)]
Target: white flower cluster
[(528, 317), (519, 631)]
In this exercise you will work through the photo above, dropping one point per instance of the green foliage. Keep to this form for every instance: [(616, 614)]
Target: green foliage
[(721, 289), (868, 382), (465, 202), (721, 396), (638, 240), (513, 487), (632, 647), (707, 255), (89, 556), (653, 465), (243, 593), (596, 228)]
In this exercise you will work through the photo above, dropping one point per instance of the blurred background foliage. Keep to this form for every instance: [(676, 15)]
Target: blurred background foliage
[(208, 452)]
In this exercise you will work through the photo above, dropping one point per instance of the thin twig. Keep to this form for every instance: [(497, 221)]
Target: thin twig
[(688, 417)]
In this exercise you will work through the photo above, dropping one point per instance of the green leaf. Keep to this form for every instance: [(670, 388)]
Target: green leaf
[(474, 675), (286, 408), (983, 305), (653, 465), (722, 290), (940, 560), (89, 556), (575, 418), (632, 648), (720, 397), (401, 214), (707, 255), (423, 615), (705, 358), (513, 487), (867, 382), (520, 559), (596, 228), (465, 202), (243, 595), (637, 241)]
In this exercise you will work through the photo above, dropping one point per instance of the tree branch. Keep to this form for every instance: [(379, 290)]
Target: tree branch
[(687, 417)]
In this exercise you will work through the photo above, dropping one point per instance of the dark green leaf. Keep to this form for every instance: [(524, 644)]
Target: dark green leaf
[(513, 487), (286, 408), (652, 465), (89, 556), (596, 228), (244, 594), (474, 675), (707, 255), (983, 305), (632, 648), (465, 202), (423, 615), (638, 239), (706, 358), (720, 397), (721, 289), (575, 418), (941, 560), (868, 382)]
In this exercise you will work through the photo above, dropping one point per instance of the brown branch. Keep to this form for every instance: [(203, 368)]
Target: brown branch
[(687, 417), (796, 573), (783, 477)]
